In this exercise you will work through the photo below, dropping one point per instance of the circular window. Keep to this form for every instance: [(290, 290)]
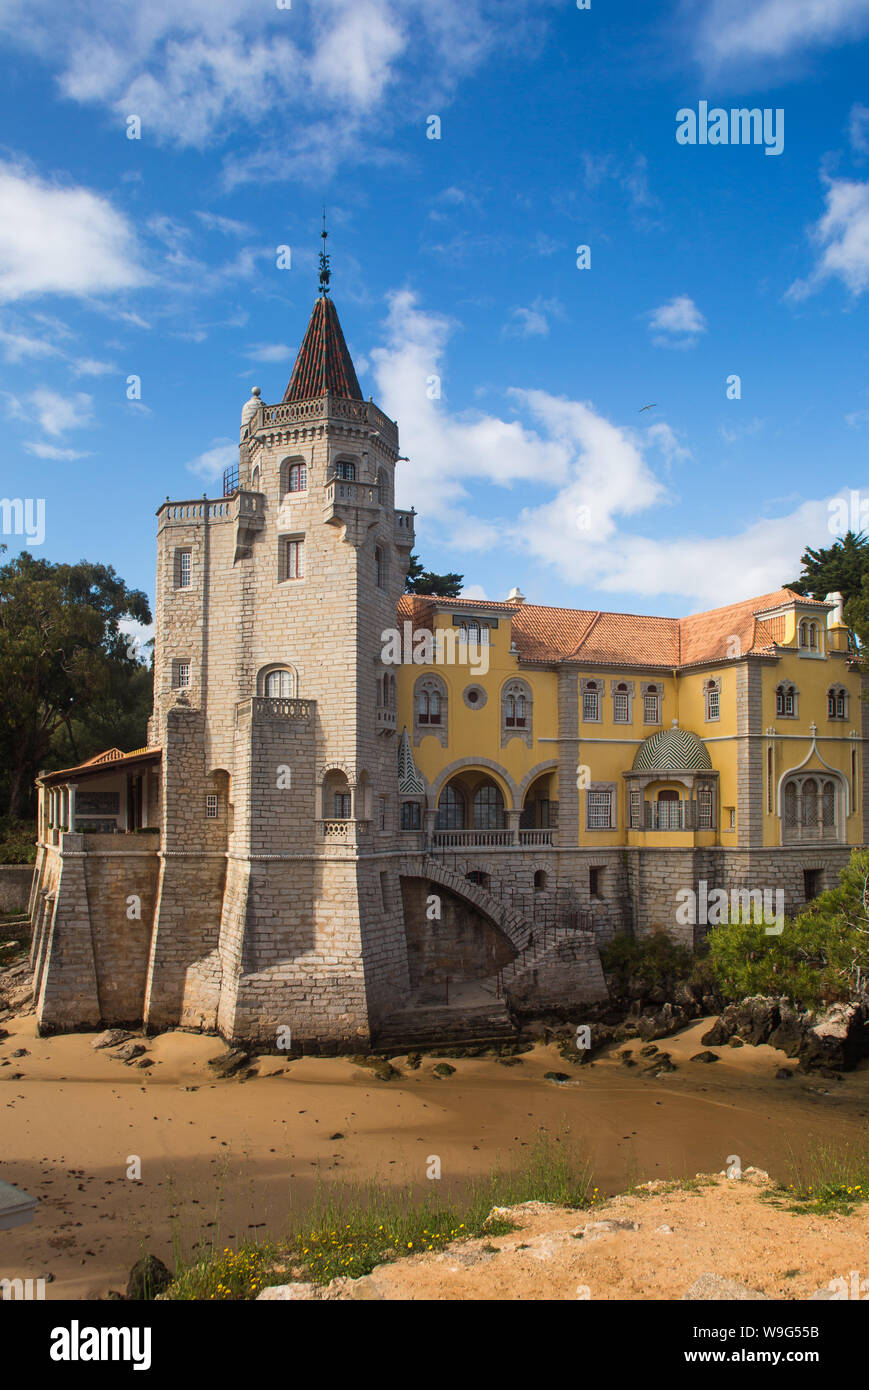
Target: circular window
[(474, 697)]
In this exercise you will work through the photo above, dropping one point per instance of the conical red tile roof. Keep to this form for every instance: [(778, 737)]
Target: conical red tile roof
[(323, 364)]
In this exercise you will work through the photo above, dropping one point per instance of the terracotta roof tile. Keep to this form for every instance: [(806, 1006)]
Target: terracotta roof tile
[(323, 364), (543, 634)]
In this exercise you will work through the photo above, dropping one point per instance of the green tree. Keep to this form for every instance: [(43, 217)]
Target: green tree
[(821, 956), (840, 568), (64, 666), (420, 581)]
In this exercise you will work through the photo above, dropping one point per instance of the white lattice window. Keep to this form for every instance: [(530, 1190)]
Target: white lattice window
[(599, 810), (591, 704), (651, 705), (704, 808), (180, 674), (713, 699), (621, 707), (212, 806), (636, 810)]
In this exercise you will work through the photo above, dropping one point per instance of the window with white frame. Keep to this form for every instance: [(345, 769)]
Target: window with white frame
[(280, 685), (652, 704), (712, 693), (704, 808), (180, 674), (599, 808), (292, 558), (591, 693), (786, 700), (837, 702), (183, 572), (212, 806), (623, 699)]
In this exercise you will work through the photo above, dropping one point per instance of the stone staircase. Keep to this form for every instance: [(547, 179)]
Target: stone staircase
[(436, 1025)]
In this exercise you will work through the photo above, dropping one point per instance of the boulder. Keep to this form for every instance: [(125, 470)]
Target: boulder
[(111, 1038), (705, 1057), (669, 1019), (714, 1287), (790, 1030), (129, 1052), (756, 1018), (837, 1039), (230, 1063), (148, 1277)]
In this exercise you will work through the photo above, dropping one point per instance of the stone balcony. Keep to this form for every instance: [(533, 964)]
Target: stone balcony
[(344, 500), (387, 720), (404, 529), (346, 833)]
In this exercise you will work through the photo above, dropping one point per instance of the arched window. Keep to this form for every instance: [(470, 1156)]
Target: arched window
[(712, 691), (539, 881), (451, 809), (346, 471), (254, 482), (813, 636), (809, 815), (786, 700), (379, 567), (429, 708), (297, 477), (488, 807), (591, 701), (790, 804), (669, 810), (473, 631), (837, 702), (280, 684), (804, 634), (517, 709), (828, 804)]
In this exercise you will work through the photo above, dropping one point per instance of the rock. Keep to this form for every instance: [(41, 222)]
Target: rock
[(336, 1135), (282, 1293), (130, 1051), (705, 1057), (788, 1035), (731, 1042), (145, 1062), (21, 1052), (836, 1039), (664, 1230), (559, 1076), (722, 1029), (660, 1025), (783, 1074), (111, 1038), (649, 1050), (593, 1229), (757, 1017), (148, 1277), (230, 1063), (413, 1060), (444, 1069), (662, 1068), (712, 1287)]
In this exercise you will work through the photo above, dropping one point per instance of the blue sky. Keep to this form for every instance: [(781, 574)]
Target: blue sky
[(453, 257)]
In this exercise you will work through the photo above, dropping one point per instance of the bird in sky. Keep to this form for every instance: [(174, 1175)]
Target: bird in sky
[(647, 407)]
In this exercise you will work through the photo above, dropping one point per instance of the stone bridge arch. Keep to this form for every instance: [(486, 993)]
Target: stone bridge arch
[(508, 920)]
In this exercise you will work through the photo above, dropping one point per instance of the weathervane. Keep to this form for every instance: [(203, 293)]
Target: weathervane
[(325, 272)]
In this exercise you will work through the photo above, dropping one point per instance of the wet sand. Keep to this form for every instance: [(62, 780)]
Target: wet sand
[(229, 1159)]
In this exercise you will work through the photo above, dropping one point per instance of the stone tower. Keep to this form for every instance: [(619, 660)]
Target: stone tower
[(279, 904)]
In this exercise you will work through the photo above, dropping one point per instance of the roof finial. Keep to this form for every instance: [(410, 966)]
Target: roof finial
[(325, 272)]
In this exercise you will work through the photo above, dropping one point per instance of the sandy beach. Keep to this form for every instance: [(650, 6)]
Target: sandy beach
[(229, 1159)]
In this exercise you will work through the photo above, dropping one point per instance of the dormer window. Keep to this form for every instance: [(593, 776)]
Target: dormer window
[(809, 636)]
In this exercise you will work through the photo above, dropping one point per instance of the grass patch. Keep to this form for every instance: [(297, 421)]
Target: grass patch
[(831, 1180), (352, 1228)]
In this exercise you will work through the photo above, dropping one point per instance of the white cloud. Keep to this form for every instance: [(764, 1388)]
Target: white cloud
[(533, 321), (91, 366), (54, 413), (842, 236), (57, 239), (269, 352), (677, 323), (17, 346), (52, 451), (193, 73), (597, 478), (730, 31), (210, 464)]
